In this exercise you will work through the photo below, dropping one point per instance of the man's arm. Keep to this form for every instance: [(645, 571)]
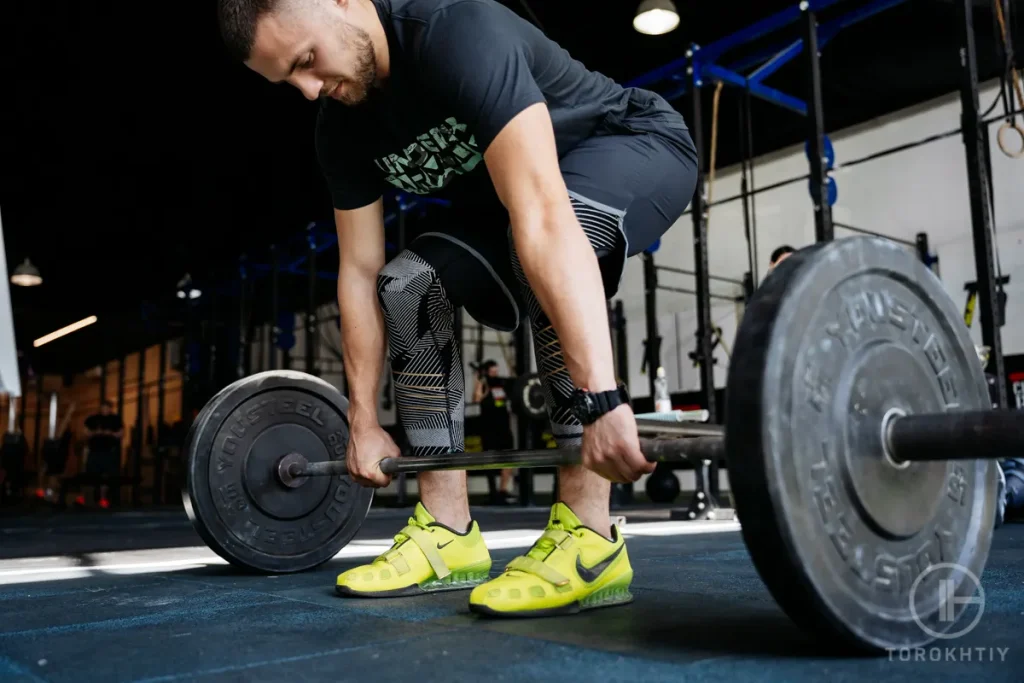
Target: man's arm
[(361, 257), (555, 254), (66, 419), (479, 389)]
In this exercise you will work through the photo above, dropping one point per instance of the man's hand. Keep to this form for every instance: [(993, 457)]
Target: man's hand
[(367, 446), (611, 447)]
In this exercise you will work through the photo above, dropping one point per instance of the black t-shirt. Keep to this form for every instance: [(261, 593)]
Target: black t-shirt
[(104, 442), (460, 71), (493, 406)]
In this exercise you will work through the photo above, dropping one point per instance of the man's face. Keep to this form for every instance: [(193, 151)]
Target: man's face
[(492, 371), (782, 258), (104, 409), (312, 45)]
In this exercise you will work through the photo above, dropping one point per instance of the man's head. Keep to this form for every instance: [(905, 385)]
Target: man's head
[(489, 368), (322, 47), (779, 255), (106, 408)]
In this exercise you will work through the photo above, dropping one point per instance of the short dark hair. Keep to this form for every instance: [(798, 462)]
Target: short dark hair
[(780, 252), (237, 20), (107, 403)]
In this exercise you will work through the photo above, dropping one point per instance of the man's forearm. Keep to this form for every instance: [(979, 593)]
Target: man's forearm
[(363, 344), (561, 267)]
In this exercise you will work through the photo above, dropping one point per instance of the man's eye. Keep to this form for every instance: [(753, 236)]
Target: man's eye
[(309, 61)]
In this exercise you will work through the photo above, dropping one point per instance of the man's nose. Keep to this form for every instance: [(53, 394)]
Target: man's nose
[(309, 85)]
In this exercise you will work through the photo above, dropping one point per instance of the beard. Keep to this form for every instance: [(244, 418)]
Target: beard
[(356, 89)]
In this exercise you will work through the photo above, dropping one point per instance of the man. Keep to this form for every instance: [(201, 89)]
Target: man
[(491, 393), (420, 94), (104, 431), (778, 256), (55, 456)]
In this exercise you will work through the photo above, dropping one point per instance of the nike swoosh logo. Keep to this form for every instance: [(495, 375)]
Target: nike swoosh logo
[(440, 545), (590, 574)]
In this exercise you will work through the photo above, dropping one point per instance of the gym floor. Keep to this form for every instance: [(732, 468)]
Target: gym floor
[(136, 597)]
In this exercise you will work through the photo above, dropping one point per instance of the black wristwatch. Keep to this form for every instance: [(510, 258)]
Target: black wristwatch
[(588, 406)]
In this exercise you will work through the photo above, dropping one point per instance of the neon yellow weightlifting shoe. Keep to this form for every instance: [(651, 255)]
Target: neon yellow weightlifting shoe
[(426, 557), (570, 568)]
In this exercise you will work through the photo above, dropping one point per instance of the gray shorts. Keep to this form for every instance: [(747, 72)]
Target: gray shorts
[(641, 183)]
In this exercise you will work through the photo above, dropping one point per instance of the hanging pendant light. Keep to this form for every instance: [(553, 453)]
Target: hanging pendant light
[(656, 17), (26, 275)]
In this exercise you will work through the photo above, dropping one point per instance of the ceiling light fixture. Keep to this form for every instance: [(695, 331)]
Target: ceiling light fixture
[(656, 17), (186, 290), (26, 275)]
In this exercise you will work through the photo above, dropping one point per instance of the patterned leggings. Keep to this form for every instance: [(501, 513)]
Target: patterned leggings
[(425, 355)]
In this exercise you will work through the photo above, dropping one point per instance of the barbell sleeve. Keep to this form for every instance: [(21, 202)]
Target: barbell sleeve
[(655, 450), (979, 435)]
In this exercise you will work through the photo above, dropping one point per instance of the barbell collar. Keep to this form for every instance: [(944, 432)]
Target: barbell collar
[(978, 435), (655, 450)]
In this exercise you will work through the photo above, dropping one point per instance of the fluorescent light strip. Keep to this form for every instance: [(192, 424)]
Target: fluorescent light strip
[(73, 327)]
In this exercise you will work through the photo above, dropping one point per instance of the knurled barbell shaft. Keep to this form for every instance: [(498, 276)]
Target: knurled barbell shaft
[(669, 426), (655, 450), (980, 435)]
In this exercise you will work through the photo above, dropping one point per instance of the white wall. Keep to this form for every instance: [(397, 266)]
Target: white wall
[(919, 190), (10, 380)]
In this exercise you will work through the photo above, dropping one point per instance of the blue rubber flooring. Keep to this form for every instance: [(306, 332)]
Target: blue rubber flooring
[(700, 614)]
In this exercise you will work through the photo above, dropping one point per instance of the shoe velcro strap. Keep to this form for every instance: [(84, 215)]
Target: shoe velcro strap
[(561, 538), (425, 542), (530, 565)]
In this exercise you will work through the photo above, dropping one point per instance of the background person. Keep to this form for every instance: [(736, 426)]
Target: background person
[(104, 431), (491, 392)]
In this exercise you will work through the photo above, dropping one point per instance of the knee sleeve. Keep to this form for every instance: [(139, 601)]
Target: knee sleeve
[(601, 224), (603, 227), (425, 361)]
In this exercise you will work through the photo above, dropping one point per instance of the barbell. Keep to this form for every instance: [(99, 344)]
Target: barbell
[(858, 442)]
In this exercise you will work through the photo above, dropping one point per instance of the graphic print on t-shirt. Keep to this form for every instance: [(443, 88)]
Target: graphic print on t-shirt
[(431, 162)]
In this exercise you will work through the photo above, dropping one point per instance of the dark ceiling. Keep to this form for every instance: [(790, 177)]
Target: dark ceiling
[(132, 150)]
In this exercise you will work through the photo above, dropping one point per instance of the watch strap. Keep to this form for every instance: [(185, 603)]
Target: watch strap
[(608, 401)]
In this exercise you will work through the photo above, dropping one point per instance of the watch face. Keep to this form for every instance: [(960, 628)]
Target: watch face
[(582, 406)]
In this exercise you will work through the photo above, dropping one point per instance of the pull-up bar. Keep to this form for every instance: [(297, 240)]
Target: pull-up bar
[(702, 62), (701, 65)]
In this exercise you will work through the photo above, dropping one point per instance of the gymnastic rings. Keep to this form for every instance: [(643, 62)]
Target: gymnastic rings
[(1001, 139)]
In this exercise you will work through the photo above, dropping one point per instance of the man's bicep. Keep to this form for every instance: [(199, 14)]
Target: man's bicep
[(523, 165), (361, 238)]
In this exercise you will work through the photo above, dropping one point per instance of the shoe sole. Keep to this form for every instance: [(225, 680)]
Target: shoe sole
[(609, 596), (408, 591), (456, 581)]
